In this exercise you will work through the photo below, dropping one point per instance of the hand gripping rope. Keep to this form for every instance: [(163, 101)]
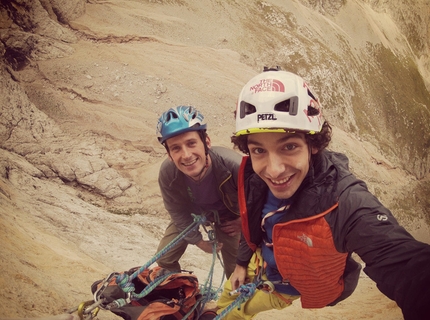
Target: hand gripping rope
[(246, 291)]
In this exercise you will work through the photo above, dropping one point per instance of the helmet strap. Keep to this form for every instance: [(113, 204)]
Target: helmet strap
[(201, 175), (205, 139)]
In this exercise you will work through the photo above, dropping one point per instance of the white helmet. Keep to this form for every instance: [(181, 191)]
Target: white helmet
[(277, 101)]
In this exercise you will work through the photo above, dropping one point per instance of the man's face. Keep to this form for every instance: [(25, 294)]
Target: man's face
[(281, 160), (187, 151)]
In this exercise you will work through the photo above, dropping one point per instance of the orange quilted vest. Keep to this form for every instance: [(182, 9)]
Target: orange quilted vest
[(306, 256)]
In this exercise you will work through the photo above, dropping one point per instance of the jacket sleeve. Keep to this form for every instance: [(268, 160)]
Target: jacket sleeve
[(398, 263), (244, 253), (225, 164), (176, 202), (232, 161)]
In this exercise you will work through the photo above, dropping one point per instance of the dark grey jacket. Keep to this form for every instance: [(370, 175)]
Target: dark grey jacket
[(399, 264), (225, 166)]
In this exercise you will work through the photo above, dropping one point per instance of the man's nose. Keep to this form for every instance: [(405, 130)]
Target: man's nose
[(275, 166), (186, 152)]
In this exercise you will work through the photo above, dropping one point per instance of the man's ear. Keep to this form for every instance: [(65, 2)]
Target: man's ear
[(314, 150), (208, 142), (167, 151)]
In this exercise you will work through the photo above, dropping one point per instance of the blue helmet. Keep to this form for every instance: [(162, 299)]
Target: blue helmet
[(179, 120)]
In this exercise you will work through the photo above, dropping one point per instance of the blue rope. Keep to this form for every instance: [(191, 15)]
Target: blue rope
[(136, 296), (206, 290), (246, 292), (125, 281)]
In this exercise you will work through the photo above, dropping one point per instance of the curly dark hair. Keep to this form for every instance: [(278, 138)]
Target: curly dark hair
[(318, 140)]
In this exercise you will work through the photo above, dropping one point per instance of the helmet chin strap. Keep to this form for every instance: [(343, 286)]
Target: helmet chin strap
[(201, 175), (310, 155)]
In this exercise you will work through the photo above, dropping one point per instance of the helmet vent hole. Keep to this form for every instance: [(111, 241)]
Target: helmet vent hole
[(313, 111), (290, 105), (170, 116), (246, 109)]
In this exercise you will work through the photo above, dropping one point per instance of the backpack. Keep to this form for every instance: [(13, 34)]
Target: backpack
[(172, 299)]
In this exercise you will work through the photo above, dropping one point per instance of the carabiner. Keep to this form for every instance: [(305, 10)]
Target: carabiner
[(98, 293), (266, 286), (211, 235), (88, 309)]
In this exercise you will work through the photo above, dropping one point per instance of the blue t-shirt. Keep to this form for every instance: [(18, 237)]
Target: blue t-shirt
[(273, 275)]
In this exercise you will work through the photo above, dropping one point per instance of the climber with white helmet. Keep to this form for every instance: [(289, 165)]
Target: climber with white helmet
[(304, 213), (197, 178)]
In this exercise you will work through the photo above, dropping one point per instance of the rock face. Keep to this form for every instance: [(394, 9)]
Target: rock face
[(30, 31), (388, 42), (82, 84), (27, 131), (64, 11)]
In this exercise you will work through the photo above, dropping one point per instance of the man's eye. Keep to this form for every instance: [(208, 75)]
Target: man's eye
[(290, 146), (257, 150)]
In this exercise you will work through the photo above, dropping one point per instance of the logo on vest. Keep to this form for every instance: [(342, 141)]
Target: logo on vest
[(306, 240), (382, 217)]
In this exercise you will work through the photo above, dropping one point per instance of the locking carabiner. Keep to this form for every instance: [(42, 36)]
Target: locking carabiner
[(88, 309)]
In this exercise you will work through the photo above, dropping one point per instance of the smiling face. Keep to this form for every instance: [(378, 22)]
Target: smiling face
[(281, 160), (187, 151)]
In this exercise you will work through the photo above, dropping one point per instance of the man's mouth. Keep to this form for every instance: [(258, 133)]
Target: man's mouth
[(189, 163), (282, 181)]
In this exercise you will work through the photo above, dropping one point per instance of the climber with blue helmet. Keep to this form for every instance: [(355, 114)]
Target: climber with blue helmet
[(197, 178)]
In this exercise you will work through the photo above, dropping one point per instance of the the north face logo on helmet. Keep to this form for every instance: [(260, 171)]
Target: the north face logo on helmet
[(268, 85)]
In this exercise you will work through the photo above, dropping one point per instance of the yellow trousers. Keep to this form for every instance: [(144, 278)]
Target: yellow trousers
[(259, 302)]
